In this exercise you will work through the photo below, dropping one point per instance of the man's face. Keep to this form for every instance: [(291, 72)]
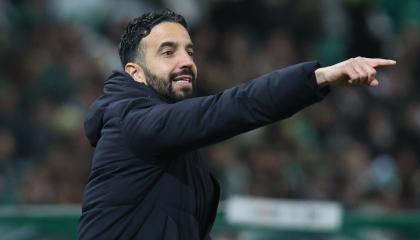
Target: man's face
[(168, 63)]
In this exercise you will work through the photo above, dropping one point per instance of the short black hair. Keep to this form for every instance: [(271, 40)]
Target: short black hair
[(140, 27)]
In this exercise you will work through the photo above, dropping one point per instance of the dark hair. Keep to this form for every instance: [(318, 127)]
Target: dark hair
[(140, 27)]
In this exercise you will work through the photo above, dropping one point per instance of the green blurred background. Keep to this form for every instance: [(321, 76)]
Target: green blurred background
[(360, 147)]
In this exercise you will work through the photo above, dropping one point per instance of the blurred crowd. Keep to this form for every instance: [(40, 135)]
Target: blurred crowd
[(360, 146)]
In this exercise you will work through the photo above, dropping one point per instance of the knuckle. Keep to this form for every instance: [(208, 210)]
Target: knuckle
[(354, 76)]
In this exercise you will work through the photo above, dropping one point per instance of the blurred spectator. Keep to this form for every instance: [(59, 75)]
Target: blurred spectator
[(9, 171)]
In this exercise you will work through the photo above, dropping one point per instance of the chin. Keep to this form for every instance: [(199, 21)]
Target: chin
[(183, 94)]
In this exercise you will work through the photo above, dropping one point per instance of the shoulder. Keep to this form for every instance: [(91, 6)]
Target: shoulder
[(122, 107)]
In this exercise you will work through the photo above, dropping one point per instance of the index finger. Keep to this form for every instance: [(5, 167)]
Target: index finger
[(380, 62)]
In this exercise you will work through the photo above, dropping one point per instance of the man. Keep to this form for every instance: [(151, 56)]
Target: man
[(148, 180)]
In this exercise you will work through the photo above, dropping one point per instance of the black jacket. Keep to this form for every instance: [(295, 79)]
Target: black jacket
[(147, 179)]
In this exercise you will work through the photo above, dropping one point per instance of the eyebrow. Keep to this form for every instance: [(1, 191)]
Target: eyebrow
[(190, 46), (174, 45), (167, 44)]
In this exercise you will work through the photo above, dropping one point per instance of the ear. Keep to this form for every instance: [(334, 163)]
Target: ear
[(135, 71)]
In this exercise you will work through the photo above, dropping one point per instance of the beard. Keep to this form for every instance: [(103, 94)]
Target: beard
[(164, 86)]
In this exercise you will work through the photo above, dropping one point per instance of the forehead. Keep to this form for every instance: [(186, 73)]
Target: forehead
[(167, 32)]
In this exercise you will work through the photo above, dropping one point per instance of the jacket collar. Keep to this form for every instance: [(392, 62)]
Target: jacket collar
[(122, 81)]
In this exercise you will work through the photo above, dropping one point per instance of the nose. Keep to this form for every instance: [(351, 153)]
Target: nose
[(186, 61)]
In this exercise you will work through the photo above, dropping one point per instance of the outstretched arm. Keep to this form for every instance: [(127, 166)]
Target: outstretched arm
[(196, 122)]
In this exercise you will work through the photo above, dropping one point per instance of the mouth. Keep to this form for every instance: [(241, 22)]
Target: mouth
[(183, 80)]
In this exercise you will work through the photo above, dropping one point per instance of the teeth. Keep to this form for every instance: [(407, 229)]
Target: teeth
[(188, 79), (182, 80)]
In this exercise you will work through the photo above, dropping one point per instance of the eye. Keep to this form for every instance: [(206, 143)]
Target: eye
[(168, 53), (191, 53)]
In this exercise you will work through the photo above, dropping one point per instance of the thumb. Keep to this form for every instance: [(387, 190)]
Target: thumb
[(374, 83)]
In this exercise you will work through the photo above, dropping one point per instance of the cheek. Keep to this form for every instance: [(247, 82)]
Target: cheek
[(161, 69), (164, 72)]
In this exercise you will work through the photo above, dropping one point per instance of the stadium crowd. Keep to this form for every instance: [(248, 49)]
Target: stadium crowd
[(360, 146)]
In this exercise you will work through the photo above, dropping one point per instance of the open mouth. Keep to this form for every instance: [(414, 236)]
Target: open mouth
[(183, 79)]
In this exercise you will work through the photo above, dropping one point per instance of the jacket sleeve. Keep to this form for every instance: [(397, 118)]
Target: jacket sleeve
[(196, 122)]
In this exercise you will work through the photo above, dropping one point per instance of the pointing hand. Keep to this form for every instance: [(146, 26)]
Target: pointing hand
[(354, 71)]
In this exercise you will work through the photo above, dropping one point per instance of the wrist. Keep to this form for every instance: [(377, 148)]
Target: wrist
[(321, 77)]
